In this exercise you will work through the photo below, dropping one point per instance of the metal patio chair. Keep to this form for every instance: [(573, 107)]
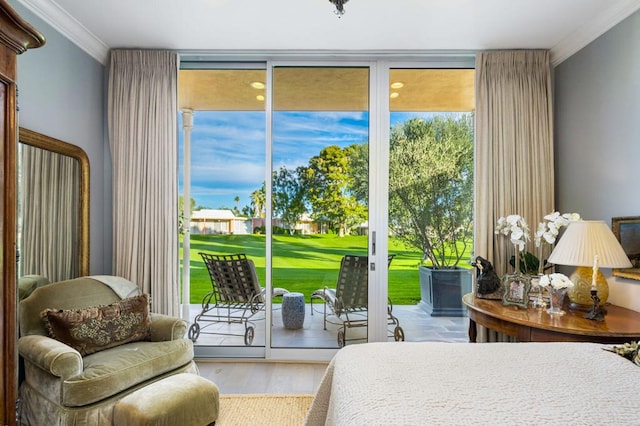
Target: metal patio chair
[(236, 296), (349, 300)]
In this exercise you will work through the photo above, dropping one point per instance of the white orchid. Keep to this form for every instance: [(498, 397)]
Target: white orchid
[(549, 228), (515, 227), (557, 281)]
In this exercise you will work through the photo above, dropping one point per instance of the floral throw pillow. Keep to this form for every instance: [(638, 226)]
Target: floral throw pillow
[(94, 329), (628, 350)]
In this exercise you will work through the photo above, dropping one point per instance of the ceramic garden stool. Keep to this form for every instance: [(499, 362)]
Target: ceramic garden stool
[(293, 310), (182, 399)]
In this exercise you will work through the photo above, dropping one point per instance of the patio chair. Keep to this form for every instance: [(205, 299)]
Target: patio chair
[(236, 296), (349, 300)]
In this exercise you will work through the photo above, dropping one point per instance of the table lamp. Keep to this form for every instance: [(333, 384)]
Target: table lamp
[(589, 245)]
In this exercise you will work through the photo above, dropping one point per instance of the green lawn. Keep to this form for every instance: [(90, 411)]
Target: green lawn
[(305, 263)]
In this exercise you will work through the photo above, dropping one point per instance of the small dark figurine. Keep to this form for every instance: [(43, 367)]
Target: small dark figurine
[(488, 280), (596, 312)]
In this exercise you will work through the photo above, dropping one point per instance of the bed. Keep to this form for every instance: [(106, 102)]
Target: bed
[(411, 383)]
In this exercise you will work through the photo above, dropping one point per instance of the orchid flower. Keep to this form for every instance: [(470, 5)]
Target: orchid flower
[(549, 228), (515, 227)]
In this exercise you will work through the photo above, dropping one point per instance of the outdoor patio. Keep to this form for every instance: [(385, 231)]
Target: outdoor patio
[(418, 326)]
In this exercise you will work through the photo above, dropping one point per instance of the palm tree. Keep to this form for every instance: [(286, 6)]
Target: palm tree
[(236, 210), (258, 201)]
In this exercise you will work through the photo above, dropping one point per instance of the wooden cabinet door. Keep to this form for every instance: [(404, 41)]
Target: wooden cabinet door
[(16, 36), (7, 251)]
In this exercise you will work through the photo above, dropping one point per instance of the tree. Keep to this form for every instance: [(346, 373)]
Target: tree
[(359, 171), (431, 186), (259, 201), (181, 203), (247, 211), (288, 196), (330, 190), (181, 211), (236, 209)]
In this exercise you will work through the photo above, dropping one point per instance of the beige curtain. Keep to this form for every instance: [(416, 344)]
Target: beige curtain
[(142, 114), (514, 147), (49, 197)]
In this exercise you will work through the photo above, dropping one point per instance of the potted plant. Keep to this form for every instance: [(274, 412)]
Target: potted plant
[(431, 202), (524, 262)]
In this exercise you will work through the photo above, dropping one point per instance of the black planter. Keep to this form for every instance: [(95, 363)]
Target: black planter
[(441, 291)]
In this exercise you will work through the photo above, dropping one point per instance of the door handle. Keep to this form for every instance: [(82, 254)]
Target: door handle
[(373, 243)]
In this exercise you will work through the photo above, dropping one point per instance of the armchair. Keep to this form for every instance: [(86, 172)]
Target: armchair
[(64, 387)]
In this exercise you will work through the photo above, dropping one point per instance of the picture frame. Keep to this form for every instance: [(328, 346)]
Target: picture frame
[(627, 231), (516, 290)]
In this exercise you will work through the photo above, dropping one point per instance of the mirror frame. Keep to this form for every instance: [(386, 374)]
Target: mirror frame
[(38, 140), (629, 273)]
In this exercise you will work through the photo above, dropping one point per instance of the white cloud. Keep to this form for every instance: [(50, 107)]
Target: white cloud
[(228, 148)]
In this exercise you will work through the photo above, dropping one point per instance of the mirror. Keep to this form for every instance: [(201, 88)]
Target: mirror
[(53, 207)]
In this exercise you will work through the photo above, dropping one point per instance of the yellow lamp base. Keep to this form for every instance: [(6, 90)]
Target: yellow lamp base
[(580, 293)]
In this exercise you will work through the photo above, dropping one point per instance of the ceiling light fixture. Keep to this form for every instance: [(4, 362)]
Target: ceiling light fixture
[(394, 95), (257, 85), (260, 98), (397, 85), (339, 7)]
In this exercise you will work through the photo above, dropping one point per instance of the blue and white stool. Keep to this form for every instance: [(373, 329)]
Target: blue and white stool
[(293, 310)]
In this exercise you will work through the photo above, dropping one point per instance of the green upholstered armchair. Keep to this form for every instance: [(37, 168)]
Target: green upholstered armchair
[(64, 387), (28, 283)]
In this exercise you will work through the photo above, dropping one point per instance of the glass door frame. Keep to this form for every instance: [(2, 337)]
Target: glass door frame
[(324, 354), (379, 132), (210, 62)]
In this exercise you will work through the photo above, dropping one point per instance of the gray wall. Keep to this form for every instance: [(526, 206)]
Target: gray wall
[(597, 126), (597, 135), (61, 94)]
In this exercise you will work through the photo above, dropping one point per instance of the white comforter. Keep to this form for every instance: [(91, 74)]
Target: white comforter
[(469, 383)]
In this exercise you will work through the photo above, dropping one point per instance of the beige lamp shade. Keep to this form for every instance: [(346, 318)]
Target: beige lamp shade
[(583, 240), (588, 244)]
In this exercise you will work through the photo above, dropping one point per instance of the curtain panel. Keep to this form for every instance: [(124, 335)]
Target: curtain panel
[(49, 232), (142, 119), (514, 147)]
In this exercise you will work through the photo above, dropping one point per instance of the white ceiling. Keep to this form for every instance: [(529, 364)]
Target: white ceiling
[(382, 26)]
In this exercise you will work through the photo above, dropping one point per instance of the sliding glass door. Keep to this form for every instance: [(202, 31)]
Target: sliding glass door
[(430, 198), (319, 204), (223, 156), (297, 168)]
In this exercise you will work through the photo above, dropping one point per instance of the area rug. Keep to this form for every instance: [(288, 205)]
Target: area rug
[(263, 410)]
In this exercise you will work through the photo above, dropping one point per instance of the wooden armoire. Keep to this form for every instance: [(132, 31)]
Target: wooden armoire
[(16, 36)]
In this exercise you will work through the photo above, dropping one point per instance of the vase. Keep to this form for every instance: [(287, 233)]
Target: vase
[(539, 301), (556, 298)]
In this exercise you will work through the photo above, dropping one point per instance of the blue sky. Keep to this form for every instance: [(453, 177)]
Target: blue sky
[(228, 147)]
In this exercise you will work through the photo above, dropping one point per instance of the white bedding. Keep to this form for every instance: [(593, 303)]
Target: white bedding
[(475, 383)]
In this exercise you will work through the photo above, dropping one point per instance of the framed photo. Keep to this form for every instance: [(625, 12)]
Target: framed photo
[(627, 231), (516, 290)]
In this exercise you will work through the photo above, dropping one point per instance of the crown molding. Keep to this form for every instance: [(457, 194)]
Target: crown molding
[(72, 29), (591, 30), (54, 15)]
